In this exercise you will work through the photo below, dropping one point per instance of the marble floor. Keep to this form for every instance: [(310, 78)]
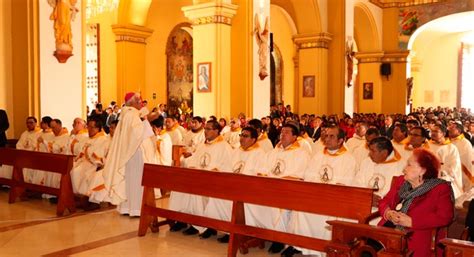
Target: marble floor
[(31, 228)]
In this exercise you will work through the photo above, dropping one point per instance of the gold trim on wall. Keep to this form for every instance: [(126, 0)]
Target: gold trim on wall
[(317, 40), (403, 3)]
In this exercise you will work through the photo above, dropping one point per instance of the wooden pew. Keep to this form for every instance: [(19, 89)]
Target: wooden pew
[(347, 202), (350, 239), (57, 163), (457, 248)]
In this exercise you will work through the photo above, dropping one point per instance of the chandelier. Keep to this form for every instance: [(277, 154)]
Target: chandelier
[(96, 7)]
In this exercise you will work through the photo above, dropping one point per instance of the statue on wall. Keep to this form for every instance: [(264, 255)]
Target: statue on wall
[(262, 36), (63, 13), (350, 61), (409, 89)]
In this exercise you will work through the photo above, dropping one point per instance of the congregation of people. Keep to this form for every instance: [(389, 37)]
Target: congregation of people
[(420, 164)]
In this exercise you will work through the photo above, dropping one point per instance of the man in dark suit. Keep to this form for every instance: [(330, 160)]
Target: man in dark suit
[(387, 130), (3, 127)]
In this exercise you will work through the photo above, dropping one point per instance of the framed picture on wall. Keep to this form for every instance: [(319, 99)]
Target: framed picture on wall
[(308, 86), (204, 77), (368, 91)]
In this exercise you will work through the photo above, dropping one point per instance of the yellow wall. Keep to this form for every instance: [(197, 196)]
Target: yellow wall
[(6, 89), (108, 56), (437, 72), (241, 59), (282, 37), (163, 16), (369, 73)]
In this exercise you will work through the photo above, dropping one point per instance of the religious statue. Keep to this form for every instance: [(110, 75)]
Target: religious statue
[(262, 36), (409, 89), (350, 61), (63, 13)]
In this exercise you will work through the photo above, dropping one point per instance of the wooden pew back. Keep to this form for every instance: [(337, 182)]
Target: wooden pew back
[(458, 248), (333, 200), (57, 163)]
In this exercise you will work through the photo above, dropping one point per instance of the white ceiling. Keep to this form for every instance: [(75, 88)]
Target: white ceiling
[(455, 23)]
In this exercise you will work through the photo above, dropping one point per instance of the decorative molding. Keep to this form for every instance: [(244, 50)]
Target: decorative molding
[(210, 13), (369, 57), (317, 40), (399, 56), (403, 3), (131, 33)]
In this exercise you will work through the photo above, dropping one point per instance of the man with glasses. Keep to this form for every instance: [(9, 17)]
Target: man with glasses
[(334, 165), (248, 159), (418, 137), (213, 155), (232, 136), (287, 160)]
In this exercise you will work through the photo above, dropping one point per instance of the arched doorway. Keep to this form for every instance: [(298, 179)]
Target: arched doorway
[(179, 63), (276, 79), (445, 78)]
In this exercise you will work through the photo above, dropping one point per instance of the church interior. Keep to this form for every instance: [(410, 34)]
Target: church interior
[(215, 57)]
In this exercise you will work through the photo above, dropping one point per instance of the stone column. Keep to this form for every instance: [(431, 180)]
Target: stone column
[(212, 47), (312, 60), (131, 50)]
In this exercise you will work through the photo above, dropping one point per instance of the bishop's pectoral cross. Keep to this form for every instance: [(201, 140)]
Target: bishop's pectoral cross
[(325, 176)]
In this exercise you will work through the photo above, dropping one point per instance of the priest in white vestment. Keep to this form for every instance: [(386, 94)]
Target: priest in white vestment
[(418, 137), (448, 154), (335, 165), (89, 161), (175, 131), (288, 160), (232, 136), (213, 155), (465, 152), (359, 137), (163, 144), (45, 135), (79, 136), (193, 138), (263, 140), (248, 159), (123, 168), (58, 145), (362, 151), (400, 137), (27, 141)]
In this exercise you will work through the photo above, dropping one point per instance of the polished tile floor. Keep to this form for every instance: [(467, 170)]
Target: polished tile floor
[(30, 228)]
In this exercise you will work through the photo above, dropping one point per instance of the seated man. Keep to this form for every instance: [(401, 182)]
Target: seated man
[(335, 165), (400, 137), (193, 138), (58, 145), (213, 155), (78, 137), (248, 159), (27, 141), (232, 136), (288, 160), (362, 151), (263, 140), (90, 160), (175, 131), (163, 144), (376, 171), (451, 169), (465, 152), (359, 137)]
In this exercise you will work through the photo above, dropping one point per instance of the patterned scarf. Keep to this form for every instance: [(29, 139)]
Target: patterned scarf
[(407, 194)]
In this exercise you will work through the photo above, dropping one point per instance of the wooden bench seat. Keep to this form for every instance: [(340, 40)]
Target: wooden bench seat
[(333, 200), (57, 163)]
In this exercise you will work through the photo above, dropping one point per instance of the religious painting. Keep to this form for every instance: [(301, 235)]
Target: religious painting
[(179, 51), (204, 77), (308, 86), (368, 91)]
